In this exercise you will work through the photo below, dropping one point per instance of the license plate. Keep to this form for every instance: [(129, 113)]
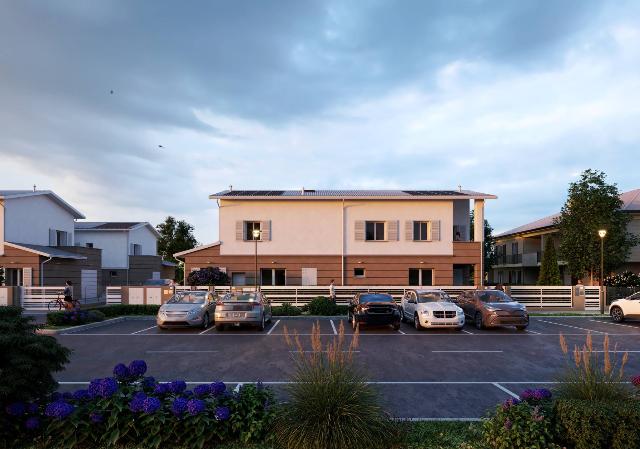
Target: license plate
[(237, 315)]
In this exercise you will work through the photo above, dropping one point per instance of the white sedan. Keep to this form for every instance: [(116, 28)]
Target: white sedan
[(628, 307), (431, 308)]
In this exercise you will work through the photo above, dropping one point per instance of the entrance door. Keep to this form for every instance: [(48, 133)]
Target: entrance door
[(309, 276), (89, 283), (13, 277), (273, 276)]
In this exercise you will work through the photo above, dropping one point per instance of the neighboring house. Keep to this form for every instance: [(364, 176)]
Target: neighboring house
[(520, 250), (357, 237), (129, 251), (37, 243)]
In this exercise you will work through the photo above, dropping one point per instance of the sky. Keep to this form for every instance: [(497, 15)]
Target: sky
[(135, 110)]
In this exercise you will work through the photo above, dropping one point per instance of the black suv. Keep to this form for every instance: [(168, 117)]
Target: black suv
[(376, 309)]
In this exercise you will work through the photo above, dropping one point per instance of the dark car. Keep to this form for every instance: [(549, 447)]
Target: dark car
[(493, 308), (376, 309)]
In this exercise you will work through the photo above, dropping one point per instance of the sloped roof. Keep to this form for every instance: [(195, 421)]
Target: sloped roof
[(13, 194), (631, 200), (197, 248), (113, 226), (47, 251), (350, 194)]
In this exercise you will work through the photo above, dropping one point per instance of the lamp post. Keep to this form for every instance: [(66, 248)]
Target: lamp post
[(602, 233), (256, 236)]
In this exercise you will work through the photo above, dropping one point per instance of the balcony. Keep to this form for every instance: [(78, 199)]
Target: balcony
[(509, 259)]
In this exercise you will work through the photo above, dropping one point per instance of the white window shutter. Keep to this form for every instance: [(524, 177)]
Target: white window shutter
[(392, 230), (27, 277), (265, 230), (240, 230), (435, 230), (408, 230), (52, 237), (359, 230)]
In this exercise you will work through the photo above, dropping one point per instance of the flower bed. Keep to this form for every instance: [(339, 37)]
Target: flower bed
[(128, 408), (74, 317)]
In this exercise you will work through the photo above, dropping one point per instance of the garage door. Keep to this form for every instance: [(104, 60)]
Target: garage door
[(89, 284)]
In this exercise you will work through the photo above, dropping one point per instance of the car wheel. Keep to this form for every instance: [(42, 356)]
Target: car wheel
[(521, 328), (402, 318), (396, 326), (478, 321), (617, 314), (205, 321), (416, 322), (219, 327), (261, 326)]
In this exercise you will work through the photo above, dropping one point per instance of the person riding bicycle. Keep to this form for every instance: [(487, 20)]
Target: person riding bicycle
[(68, 295)]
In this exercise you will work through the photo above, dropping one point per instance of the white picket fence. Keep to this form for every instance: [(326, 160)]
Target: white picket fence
[(592, 298), (542, 296), (114, 295), (36, 299)]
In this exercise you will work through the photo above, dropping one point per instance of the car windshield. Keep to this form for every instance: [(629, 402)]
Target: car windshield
[(494, 296), (376, 298), (240, 297), (188, 298), (433, 297), (634, 296)]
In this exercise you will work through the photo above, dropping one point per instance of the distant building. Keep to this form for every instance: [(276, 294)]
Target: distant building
[(520, 250), (357, 237)]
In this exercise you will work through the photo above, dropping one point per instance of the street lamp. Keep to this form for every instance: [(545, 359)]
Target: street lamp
[(256, 236), (602, 233)]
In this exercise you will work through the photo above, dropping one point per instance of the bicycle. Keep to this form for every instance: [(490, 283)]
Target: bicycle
[(59, 303)]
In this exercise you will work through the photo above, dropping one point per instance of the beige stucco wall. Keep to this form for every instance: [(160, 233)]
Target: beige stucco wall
[(315, 227)]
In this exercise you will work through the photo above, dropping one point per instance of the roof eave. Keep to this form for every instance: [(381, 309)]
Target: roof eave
[(352, 197)]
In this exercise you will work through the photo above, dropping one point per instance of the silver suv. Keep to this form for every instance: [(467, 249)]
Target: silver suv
[(236, 308)]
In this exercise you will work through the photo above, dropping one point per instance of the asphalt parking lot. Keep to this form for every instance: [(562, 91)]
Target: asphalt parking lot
[(428, 374)]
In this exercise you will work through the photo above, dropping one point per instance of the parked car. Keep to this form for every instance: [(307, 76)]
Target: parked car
[(236, 308), (186, 309), (493, 308), (376, 309), (431, 308), (624, 308)]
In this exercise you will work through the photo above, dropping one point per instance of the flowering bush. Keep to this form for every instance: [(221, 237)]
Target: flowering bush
[(129, 409), (522, 423)]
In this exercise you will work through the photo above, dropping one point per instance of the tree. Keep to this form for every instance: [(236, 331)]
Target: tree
[(208, 276), (549, 270), (592, 204), (489, 250), (175, 236)]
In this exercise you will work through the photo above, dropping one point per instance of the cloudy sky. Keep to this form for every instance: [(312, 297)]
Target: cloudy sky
[(513, 98)]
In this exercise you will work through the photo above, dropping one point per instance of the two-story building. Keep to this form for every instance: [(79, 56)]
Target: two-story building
[(356, 237), (37, 242), (520, 250), (129, 251)]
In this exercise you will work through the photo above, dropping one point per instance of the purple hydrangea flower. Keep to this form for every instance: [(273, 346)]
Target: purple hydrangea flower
[(58, 410), (196, 406), (96, 417), (510, 403), (222, 413), (137, 402), (103, 388), (161, 389), (137, 368), (217, 388), (151, 405), (16, 409), (202, 390), (32, 423), (537, 394), (177, 386), (635, 380), (187, 394), (81, 395), (121, 372), (149, 382), (179, 406)]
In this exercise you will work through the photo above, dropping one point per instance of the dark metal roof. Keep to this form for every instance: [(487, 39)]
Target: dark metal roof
[(255, 193), (108, 226), (339, 194), (433, 192)]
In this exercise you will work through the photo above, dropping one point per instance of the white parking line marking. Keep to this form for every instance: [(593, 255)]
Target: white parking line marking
[(462, 350), (506, 390), (573, 327), (532, 332), (333, 326), (237, 388), (177, 352), (142, 330), (207, 330), (616, 324), (273, 327), (466, 332), (403, 333), (318, 351)]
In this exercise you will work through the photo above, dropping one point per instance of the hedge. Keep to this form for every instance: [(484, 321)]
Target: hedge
[(74, 317), (127, 309)]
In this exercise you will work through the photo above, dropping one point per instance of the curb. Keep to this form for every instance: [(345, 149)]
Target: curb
[(74, 329)]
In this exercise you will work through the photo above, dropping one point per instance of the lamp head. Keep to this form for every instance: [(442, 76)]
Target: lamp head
[(602, 233), (256, 234)]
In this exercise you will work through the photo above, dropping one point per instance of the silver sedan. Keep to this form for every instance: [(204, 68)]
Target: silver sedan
[(187, 309), (236, 308)]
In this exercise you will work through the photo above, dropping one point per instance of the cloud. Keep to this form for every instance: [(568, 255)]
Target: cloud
[(506, 97)]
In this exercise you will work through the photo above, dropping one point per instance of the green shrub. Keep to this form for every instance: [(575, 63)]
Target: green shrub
[(128, 309), (322, 306), (442, 434), (330, 405), (96, 316), (584, 424), (286, 309), (593, 375), (519, 425), (74, 317)]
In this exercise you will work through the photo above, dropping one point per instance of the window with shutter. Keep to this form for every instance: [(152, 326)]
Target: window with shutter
[(435, 230), (359, 230), (422, 231), (408, 230), (249, 227), (239, 230), (265, 227), (375, 230)]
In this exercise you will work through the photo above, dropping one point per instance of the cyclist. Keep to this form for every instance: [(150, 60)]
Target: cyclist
[(68, 295)]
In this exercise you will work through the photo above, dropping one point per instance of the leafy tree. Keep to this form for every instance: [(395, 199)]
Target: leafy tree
[(592, 204), (489, 245), (624, 279), (175, 236), (549, 270), (208, 276)]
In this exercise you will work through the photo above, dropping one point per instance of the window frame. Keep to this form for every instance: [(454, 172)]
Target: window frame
[(420, 277), (375, 224), (248, 235), (359, 276), (417, 224)]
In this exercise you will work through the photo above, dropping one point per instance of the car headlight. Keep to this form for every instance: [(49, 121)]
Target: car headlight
[(425, 312), (459, 312)]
